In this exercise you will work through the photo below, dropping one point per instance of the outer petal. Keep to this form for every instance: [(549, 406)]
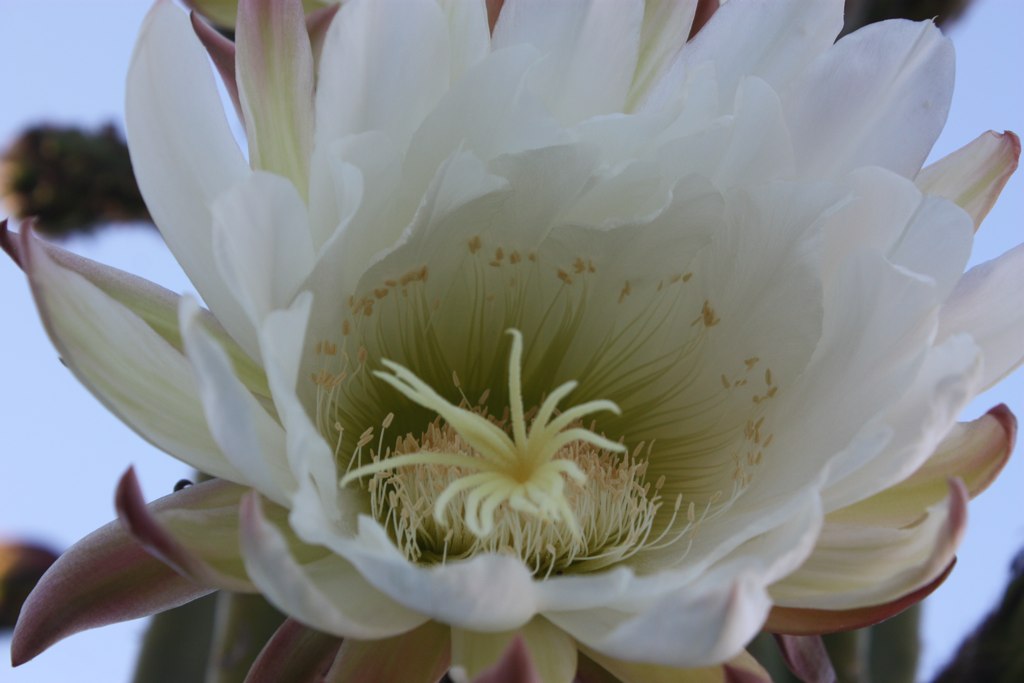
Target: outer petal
[(275, 81), (295, 654), (417, 656), (984, 305), (183, 152), (107, 577), (156, 306), (590, 48), (974, 452), (515, 666), (551, 652), (862, 565), (196, 538), (328, 594), (974, 175), (852, 106), (807, 658), (128, 366)]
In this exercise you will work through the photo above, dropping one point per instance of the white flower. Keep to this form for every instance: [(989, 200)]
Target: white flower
[(740, 332)]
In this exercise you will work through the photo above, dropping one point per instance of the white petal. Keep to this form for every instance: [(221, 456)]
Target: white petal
[(283, 340), (129, 367), (590, 51), (974, 175), (417, 656), (250, 438), (855, 103), (856, 566), (771, 40), (366, 84), (183, 153), (986, 304), (327, 594), (262, 243)]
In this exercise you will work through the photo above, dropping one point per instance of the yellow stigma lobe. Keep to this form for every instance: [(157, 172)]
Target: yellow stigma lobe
[(522, 470)]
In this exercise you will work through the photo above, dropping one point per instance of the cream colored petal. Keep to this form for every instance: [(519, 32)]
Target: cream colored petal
[(636, 672), (551, 651), (128, 366), (663, 33), (974, 175), (861, 565)]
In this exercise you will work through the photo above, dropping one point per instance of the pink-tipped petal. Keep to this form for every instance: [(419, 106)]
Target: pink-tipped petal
[(705, 9), (9, 243), (317, 23), (274, 66), (974, 175), (147, 528), (296, 654), (802, 621), (105, 578), (515, 666), (741, 668), (807, 658), (222, 54), (421, 655)]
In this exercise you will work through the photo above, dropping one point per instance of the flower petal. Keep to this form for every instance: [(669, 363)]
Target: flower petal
[(262, 264), (779, 39), (190, 538), (857, 565), (156, 306), (127, 365), (222, 54), (546, 654), (974, 175), (805, 621), (468, 32), (852, 105), (183, 152), (296, 654), (974, 452), (275, 83), (665, 29), (983, 305), (417, 656), (249, 438), (590, 51), (365, 84), (107, 577), (328, 594)]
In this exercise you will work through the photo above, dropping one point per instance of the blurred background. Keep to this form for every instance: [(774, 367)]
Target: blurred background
[(62, 453)]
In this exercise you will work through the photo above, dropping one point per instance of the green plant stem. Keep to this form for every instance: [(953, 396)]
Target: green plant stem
[(243, 625), (894, 647), (177, 643), (848, 652)]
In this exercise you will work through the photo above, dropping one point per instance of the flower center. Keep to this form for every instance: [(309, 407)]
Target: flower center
[(524, 470)]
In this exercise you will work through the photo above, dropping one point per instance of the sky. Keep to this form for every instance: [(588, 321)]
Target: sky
[(62, 452)]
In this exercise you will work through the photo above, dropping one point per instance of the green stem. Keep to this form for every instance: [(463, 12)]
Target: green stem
[(894, 647), (176, 644), (243, 625), (848, 654)]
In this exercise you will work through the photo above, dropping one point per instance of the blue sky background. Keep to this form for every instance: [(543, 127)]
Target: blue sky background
[(64, 62)]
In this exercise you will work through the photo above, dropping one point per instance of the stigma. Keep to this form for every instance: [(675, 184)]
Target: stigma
[(525, 471)]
